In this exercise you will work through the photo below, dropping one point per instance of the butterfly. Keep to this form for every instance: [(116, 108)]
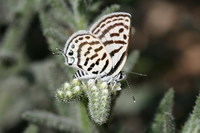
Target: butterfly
[(100, 52)]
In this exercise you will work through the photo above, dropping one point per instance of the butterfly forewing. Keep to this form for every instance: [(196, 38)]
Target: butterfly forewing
[(102, 51), (113, 30), (87, 53)]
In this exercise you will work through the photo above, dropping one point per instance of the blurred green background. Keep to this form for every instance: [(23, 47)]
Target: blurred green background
[(166, 34)]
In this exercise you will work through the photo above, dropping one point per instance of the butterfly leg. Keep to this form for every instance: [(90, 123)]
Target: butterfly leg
[(99, 76), (114, 83)]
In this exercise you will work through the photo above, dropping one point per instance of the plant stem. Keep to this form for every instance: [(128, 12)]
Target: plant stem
[(85, 124)]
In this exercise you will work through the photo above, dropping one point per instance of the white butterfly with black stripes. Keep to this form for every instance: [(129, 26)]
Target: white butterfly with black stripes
[(100, 52)]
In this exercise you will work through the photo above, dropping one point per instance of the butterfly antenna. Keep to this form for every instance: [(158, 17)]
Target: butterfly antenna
[(139, 74), (134, 100), (58, 52)]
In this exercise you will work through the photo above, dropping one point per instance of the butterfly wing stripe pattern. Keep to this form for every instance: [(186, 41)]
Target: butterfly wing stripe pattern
[(86, 52), (101, 51), (114, 30), (79, 74)]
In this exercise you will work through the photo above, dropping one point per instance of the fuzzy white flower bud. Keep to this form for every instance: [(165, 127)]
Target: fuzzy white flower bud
[(60, 93), (118, 88), (75, 82), (104, 85), (68, 93), (77, 88), (91, 82), (94, 88), (95, 94), (66, 85), (104, 98), (105, 91)]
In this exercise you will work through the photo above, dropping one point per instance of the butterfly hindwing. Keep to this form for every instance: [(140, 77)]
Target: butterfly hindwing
[(102, 51), (86, 52), (114, 31), (81, 74)]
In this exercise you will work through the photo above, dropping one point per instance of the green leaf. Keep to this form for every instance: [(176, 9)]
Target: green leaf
[(192, 124), (163, 120), (52, 30), (63, 13), (31, 129), (79, 17), (52, 121), (85, 121), (168, 123), (17, 30), (108, 10)]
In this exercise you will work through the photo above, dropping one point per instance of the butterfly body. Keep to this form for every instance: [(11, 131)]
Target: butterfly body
[(100, 52)]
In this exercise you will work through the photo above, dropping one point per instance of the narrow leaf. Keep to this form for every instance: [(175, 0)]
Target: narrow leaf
[(31, 129), (163, 120), (192, 125), (108, 10), (52, 121)]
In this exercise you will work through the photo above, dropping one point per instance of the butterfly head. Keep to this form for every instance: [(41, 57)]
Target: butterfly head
[(70, 52), (57, 52), (70, 56), (74, 47)]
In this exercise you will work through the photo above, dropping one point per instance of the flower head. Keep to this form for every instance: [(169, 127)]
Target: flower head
[(98, 93)]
